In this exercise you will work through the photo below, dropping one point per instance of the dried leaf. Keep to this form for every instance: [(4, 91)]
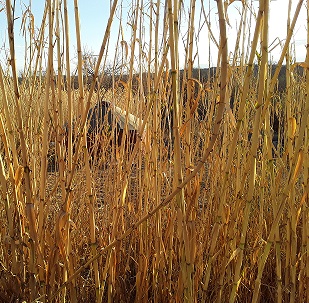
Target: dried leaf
[(298, 165), (233, 256), (293, 126), (18, 175)]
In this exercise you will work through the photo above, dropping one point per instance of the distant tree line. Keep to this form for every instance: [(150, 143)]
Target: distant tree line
[(107, 78)]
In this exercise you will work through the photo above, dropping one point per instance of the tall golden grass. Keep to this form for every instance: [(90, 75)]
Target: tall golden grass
[(207, 206)]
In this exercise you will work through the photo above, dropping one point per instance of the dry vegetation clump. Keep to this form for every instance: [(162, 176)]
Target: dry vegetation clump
[(210, 204)]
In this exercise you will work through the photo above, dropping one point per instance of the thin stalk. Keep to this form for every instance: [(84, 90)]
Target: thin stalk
[(68, 85), (262, 89), (273, 81), (91, 200), (58, 105), (292, 178), (8, 123), (189, 231), (157, 263), (185, 278), (10, 206), (218, 223), (289, 90), (45, 143), (35, 250)]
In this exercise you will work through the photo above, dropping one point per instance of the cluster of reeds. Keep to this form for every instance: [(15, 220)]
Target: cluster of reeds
[(211, 202)]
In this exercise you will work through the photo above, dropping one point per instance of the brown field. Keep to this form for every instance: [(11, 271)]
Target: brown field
[(210, 204)]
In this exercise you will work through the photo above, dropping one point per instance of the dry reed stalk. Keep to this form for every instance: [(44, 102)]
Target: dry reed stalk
[(11, 206), (294, 170), (180, 205), (36, 249), (189, 224), (224, 209), (262, 89), (305, 242), (91, 200), (69, 87), (302, 210), (8, 124), (58, 105), (156, 138), (292, 245), (220, 215), (282, 56), (43, 172), (62, 242), (288, 89)]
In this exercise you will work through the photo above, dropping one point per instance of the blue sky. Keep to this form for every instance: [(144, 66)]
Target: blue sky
[(94, 15), (93, 19)]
